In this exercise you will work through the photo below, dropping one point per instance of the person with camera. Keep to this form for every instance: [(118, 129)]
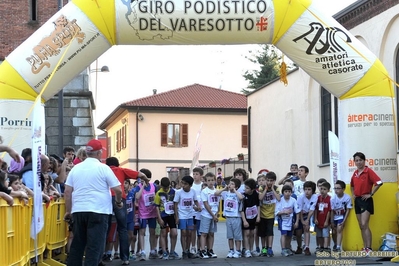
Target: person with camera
[(292, 174)]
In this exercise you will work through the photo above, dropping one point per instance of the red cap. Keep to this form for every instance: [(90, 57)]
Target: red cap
[(94, 145)]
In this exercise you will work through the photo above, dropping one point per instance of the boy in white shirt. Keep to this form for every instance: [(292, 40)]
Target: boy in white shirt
[(209, 217), (285, 209), (307, 204), (341, 204), (232, 208), (184, 200)]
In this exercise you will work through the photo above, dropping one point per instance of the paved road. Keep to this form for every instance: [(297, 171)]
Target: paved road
[(221, 249)]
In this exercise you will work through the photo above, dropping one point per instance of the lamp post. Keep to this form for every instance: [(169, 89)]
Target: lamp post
[(103, 69)]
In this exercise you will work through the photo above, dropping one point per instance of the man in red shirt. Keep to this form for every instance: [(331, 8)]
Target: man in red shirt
[(364, 183), (120, 213)]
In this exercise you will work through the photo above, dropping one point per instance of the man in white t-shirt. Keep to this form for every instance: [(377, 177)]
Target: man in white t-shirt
[(88, 205)]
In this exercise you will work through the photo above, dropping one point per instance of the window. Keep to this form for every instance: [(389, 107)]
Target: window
[(244, 136), (33, 10), (329, 114), (174, 135), (120, 139)]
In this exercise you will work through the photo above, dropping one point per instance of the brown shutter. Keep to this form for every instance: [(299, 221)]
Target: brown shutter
[(164, 134), (184, 135), (244, 136)]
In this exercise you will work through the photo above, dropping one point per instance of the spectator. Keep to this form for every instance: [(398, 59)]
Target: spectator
[(88, 201), (16, 167), (80, 156), (122, 174)]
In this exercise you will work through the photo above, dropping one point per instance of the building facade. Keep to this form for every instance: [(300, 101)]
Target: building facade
[(166, 132)]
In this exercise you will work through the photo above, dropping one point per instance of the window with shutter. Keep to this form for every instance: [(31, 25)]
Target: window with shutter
[(184, 135), (164, 134), (174, 135), (244, 136)]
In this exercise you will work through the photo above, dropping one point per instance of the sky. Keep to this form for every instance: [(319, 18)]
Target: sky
[(135, 71)]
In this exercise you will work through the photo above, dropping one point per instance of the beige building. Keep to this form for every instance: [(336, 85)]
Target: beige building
[(290, 124), (159, 132)]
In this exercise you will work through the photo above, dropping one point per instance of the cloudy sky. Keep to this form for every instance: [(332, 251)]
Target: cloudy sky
[(136, 70)]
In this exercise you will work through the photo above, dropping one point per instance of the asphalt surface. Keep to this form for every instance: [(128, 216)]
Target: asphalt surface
[(221, 249)]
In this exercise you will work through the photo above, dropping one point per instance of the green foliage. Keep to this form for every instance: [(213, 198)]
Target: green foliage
[(268, 58)]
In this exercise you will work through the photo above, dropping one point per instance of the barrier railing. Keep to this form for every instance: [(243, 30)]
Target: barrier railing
[(17, 248)]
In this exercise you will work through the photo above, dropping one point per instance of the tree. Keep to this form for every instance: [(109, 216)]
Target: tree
[(269, 59)]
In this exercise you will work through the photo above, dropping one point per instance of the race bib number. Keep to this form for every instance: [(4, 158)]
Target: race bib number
[(339, 213), (213, 200), (321, 206), (169, 207), (187, 203), (251, 212), (269, 198), (230, 205), (149, 199), (129, 206)]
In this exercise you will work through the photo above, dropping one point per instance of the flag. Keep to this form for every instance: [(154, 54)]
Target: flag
[(333, 144), (38, 126), (197, 150)]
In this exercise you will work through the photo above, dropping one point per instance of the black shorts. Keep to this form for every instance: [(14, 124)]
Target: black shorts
[(364, 205), (251, 223), (265, 227), (169, 221)]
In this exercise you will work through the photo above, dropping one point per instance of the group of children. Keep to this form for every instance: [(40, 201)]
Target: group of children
[(250, 208)]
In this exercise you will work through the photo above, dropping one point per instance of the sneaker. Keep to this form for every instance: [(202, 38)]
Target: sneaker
[(264, 251), (298, 250), (328, 250), (338, 249), (174, 256), (284, 252), (203, 254), (160, 254), (248, 254), (258, 250), (317, 250), (289, 252), (334, 248), (132, 256), (192, 255), (193, 250), (185, 255), (165, 256), (126, 262), (237, 254), (307, 252), (270, 252), (142, 256), (153, 255), (211, 254), (230, 254), (368, 250), (255, 253), (107, 257), (116, 256)]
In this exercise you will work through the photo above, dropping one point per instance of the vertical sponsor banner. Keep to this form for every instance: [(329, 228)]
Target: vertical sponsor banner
[(194, 22), (366, 124), (15, 125), (333, 144), (38, 126)]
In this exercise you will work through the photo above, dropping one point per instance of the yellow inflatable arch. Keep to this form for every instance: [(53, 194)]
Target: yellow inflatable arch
[(84, 29)]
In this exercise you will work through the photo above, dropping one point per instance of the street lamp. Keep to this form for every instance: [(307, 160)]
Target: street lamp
[(103, 69)]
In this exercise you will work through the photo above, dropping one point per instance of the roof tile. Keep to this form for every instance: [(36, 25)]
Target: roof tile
[(194, 96)]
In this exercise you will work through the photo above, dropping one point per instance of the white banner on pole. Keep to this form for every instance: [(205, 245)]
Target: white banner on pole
[(38, 145), (333, 144)]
